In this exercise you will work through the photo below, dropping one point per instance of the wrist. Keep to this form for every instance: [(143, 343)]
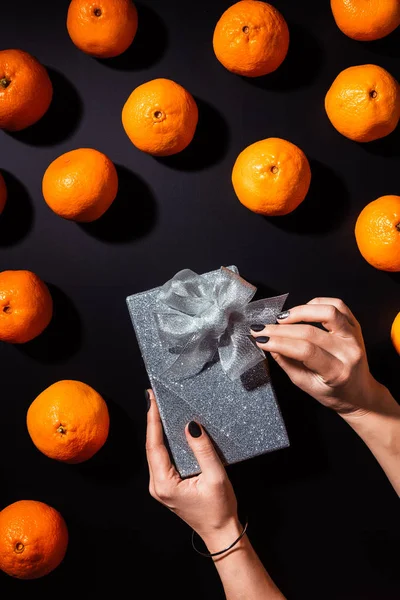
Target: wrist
[(380, 422), (223, 537), (373, 399)]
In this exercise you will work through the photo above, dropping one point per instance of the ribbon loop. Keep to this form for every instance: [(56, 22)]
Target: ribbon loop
[(204, 317)]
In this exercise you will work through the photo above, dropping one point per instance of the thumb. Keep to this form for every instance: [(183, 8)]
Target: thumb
[(204, 451)]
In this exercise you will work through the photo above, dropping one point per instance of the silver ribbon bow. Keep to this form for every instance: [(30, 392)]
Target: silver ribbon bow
[(206, 316)]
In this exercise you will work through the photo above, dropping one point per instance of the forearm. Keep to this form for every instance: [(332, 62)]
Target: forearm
[(241, 571), (380, 430)]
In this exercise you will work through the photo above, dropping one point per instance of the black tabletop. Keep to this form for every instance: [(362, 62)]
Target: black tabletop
[(322, 515)]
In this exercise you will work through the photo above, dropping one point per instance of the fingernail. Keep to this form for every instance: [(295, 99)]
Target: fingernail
[(148, 401), (262, 339), (194, 429), (257, 327), (283, 315)]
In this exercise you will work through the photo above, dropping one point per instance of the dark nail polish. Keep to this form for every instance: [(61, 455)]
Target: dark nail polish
[(283, 315), (257, 327), (262, 339), (148, 401), (194, 429)]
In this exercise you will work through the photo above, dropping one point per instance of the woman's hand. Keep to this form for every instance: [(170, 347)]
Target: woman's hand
[(207, 503), (331, 364)]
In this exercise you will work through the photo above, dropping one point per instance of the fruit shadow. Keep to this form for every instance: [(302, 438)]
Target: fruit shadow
[(384, 364), (61, 120), (301, 67), (387, 147), (395, 276), (209, 145), (122, 454), (326, 189), (387, 46), (142, 54), (132, 215), (16, 221), (62, 338)]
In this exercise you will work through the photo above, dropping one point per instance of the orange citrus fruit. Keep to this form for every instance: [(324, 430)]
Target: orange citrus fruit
[(26, 306), (33, 539), (80, 185), (251, 38), (378, 233), (3, 193), (102, 28), (68, 421), (363, 103), (395, 333), (160, 117), (366, 20), (25, 90), (271, 177)]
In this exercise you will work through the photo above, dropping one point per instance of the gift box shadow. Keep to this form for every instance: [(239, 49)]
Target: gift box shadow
[(304, 49), (304, 459), (62, 338), (121, 456), (61, 120), (16, 221), (381, 548), (132, 214), (141, 54), (209, 145), (326, 189)]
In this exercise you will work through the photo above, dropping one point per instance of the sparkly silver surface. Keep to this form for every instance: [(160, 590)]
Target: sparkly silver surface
[(241, 416)]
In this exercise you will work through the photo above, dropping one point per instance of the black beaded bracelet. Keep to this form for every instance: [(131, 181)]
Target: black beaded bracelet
[(211, 554)]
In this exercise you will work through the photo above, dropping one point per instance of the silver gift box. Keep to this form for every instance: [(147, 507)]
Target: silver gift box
[(241, 416)]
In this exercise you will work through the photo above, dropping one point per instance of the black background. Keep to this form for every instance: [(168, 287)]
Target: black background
[(322, 515)]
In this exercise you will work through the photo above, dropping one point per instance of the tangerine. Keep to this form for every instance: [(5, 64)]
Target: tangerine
[(271, 177), (68, 421), (33, 539), (102, 28), (251, 38), (25, 90)]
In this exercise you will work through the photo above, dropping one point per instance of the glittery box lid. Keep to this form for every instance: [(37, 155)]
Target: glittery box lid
[(242, 417)]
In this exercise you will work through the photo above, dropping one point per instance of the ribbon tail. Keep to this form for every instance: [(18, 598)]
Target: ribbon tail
[(239, 353), (237, 350), (264, 311)]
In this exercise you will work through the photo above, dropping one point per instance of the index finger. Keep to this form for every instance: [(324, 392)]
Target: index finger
[(327, 314), (157, 454), (340, 305)]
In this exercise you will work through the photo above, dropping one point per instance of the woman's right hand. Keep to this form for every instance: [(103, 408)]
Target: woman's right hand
[(331, 365)]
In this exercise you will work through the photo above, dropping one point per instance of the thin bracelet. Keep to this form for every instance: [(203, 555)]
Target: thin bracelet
[(211, 554)]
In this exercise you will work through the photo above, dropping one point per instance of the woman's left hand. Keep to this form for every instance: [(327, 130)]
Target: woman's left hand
[(207, 503)]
